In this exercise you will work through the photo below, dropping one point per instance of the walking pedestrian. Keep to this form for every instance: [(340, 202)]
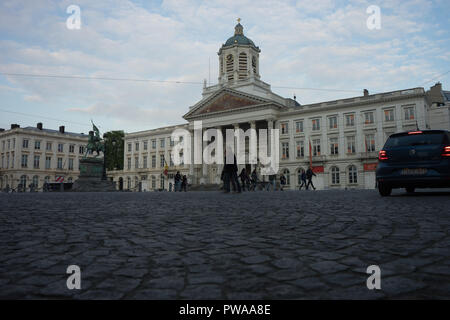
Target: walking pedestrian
[(178, 182), (254, 179), (309, 175), (230, 174), (282, 181), (184, 183), (303, 179)]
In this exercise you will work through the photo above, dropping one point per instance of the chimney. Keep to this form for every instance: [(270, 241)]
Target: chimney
[(61, 129), (366, 92), (14, 126), (39, 125)]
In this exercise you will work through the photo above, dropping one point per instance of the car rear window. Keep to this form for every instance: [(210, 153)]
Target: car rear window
[(415, 140)]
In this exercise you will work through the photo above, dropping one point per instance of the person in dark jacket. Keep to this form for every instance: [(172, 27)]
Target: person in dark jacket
[(230, 175), (245, 179), (282, 181), (183, 183), (303, 179), (177, 181), (254, 180), (309, 175)]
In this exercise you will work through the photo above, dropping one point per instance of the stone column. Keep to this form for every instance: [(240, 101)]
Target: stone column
[(269, 135), (253, 127), (236, 127), (204, 178)]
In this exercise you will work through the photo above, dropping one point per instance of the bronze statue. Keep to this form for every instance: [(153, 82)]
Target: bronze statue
[(95, 142)]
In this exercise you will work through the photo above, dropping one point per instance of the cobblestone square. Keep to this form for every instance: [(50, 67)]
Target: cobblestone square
[(209, 245)]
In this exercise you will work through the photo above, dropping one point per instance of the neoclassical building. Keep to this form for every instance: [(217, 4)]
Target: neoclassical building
[(341, 138), (35, 155)]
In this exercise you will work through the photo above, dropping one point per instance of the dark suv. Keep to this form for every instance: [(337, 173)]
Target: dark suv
[(415, 159)]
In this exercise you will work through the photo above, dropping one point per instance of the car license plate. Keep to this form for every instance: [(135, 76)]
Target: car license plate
[(413, 172)]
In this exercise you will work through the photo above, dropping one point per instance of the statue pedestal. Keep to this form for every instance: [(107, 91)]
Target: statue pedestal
[(90, 179)]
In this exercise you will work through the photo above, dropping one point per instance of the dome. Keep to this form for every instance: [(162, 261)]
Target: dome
[(239, 37)]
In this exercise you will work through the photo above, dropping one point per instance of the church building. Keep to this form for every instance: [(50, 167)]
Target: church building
[(339, 138)]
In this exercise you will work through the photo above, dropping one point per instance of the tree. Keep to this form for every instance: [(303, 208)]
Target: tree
[(114, 143)]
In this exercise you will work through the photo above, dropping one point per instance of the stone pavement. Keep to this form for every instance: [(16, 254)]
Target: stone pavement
[(209, 245)]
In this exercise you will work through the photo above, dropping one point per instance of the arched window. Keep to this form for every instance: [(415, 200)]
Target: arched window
[(287, 176), (1, 182), (230, 67), (335, 179), (254, 64), (36, 181), (23, 182), (352, 174), (242, 65)]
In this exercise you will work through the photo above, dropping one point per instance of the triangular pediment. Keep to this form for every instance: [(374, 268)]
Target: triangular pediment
[(225, 100)]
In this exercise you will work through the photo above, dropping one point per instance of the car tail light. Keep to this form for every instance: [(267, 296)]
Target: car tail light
[(382, 155), (446, 151), (415, 132)]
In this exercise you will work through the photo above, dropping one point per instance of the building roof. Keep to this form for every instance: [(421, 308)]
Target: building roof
[(239, 38), (72, 134), (446, 95)]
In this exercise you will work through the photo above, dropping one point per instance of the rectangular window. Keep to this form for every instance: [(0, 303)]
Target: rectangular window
[(72, 148), (351, 145), (162, 143), (60, 147), (3, 145), (285, 150), (409, 113), (70, 164), (350, 120), (48, 147), (299, 126), (368, 118), (316, 147), (171, 162), (145, 145), (172, 143), (334, 146), (145, 162), (370, 142), (316, 124), (153, 144), (389, 115), (9, 144), (300, 149), (24, 161), (284, 128), (153, 161), (129, 163), (136, 163), (332, 122), (48, 162), (7, 161), (24, 143), (81, 149), (137, 146), (12, 160), (129, 147), (14, 143), (59, 163), (161, 161), (37, 145), (36, 162)]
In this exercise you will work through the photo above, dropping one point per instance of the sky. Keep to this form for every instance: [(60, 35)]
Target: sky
[(322, 44)]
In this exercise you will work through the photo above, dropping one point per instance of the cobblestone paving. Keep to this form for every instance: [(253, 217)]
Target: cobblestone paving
[(209, 245)]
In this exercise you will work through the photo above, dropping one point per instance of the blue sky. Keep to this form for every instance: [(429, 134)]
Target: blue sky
[(304, 44)]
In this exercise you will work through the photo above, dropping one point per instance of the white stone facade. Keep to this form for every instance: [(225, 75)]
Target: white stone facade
[(345, 135), (34, 156)]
